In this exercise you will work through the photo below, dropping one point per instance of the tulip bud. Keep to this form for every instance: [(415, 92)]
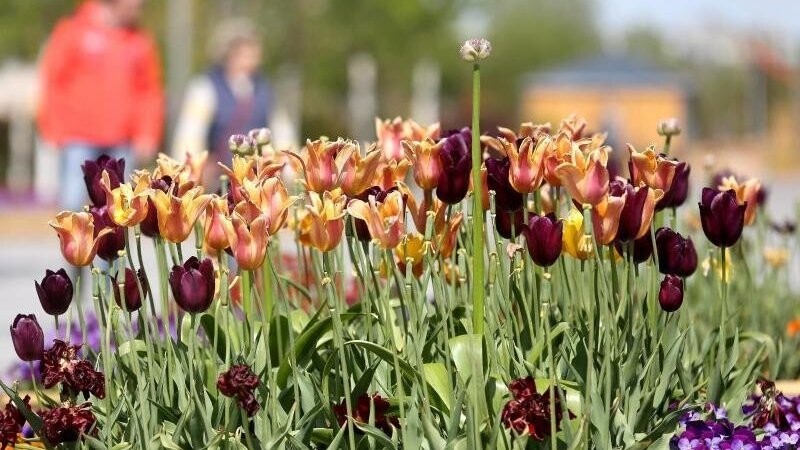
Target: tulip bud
[(456, 166), (676, 254), (192, 284), (668, 127), (240, 144), (55, 292), (474, 50), (261, 136), (543, 236), (133, 297), (28, 337), (722, 216), (506, 198), (93, 174), (670, 296)]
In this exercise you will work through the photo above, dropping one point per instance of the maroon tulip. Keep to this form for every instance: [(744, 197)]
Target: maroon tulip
[(670, 296), (55, 292), (67, 423), (133, 296), (383, 420), (504, 221), (505, 197), (11, 423), (676, 254), (642, 248), (543, 237), (240, 382), (28, 338), (193, 284), (528, 412), (110, 244), (149, 225), (93, 173), (679, 189), (630, 220), (722, 216), (60, 364), (456, 166)]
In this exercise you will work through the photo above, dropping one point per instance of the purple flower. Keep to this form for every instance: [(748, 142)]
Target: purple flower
[(722, 217), (670, 296), (509, 224), (456, 166), (110, 244), (193, 284), (240, 382), (133, 296), (642, 248), (678, 190), (506, 198), (67, 423), (543, 238), (55, 292), (28, 337), (93, 173), (676, 254)]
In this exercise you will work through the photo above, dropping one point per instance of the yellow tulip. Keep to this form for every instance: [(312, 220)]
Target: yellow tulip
[(177, 215), (575, 242), (127, 206)]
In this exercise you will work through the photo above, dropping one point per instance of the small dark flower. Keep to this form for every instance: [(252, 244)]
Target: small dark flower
[(133, 296), (193, 284), (456, 166), (722, 217), (543, 237), (642, 249), (149, 225), (55, 292), (60, 364), (678, 190), (93, 173), (510, 224), (67, 423), (787, 227), (11, 423), (81, 377), (676, 254), (505, 197), (670, 296), (28, 338), (239, 382), (528, 412), (361, 407), (110, 244)]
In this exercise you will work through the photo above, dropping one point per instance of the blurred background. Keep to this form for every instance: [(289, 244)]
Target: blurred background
[(729, 70)]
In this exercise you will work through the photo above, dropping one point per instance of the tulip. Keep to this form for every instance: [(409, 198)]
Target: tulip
[(268, 197), (525, 158), (133, 296), (509, 224), (722, 217), (447, 235), (149, 226), (456, 162), (670, 295), (586, 176), (177, 215), (217, 226), (390, 173), (76, 234), (413, 131), (390, 133), (248, 240), (574, 126), (555, 155), (358, 172), (506, 198), (93, 172), (679, 188), (241, 169), (322, 224), (576, 243), (111, 244), (241, 144), (606, 218), (543, 235), (360, 229), (642, 249), (192, 284), (652, 169), (55, 292), (127, 206), (637, 214), (384, 217), (747, 193), (424, 157), (676, 254), (28, 338), (320, 163), (419, 211), (411, 250)]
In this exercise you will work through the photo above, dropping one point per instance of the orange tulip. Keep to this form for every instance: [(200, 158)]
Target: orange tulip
[(268, 197), (77, 236), (746, 192), (447, 237), (424, 156), (605, 219), (390, 133), (175, 170), (358, 171), (419, 211), (127, 206), (385, 220), (574, 126), (652, 169), (391, 173), (195, 164), (242, 168), (585, 176), (177, 215), (217, 224), (248, 240), (525, 174), (413, 131), (555, 155), (321, 224), (320, 163)]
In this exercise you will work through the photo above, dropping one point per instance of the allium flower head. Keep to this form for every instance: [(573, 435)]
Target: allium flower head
[(476, 49)]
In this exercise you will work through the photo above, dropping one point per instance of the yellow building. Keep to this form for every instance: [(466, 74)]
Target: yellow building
[(622, 95)]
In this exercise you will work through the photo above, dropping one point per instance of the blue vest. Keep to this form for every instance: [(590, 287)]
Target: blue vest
[(235, 115)]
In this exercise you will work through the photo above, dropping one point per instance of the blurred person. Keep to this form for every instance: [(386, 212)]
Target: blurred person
[(232, 97), (101, 91)]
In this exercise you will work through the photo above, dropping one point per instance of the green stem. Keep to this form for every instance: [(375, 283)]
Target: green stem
[(478, 288), (723, 316)]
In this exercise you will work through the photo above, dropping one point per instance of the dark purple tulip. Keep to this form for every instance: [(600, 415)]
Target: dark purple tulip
[(722, 216), (504, 220), (543, 237), (28, 337), (630, 220), (505, 197), (676, 254), (456, 166), (112, 243), (193, 284), (93, 173), (670, 296), (642, 248), (149, 226), (55, 292), (133, 297), (679, 189)]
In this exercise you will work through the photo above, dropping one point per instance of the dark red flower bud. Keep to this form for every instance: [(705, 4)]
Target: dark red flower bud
[(504, 221), (676, 254), (456, 166), (642, 249), (28, 338), (722, 216), (113, 242), (93, 173), (543, 237), (67, 423), (133, 296), (55, 292), (670, 296), (193, 284), (361, 408), (239, 382), (505, 197), (678, 190)]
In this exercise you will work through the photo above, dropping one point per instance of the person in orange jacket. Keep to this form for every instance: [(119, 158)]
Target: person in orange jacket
[(101, 91)]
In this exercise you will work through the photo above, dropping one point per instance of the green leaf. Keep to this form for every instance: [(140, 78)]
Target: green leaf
[(467, 352), (437, 377)]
